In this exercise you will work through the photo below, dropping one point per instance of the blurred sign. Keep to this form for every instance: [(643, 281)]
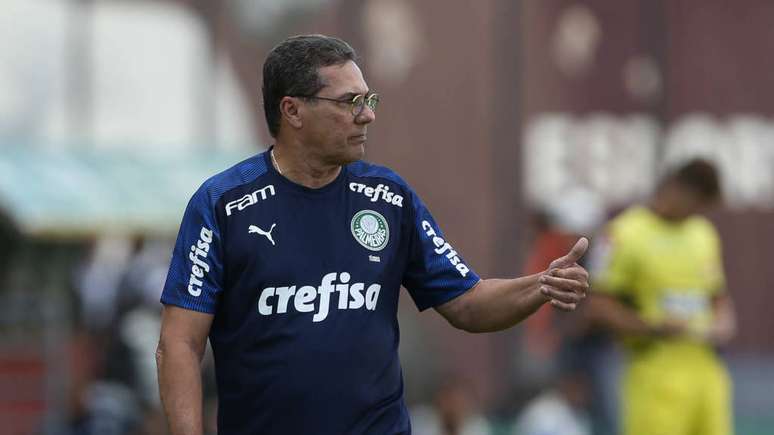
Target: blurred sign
[(613, 156), (620, 157)]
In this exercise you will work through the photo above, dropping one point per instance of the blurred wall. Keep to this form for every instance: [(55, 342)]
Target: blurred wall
[(658, 81), (495, 107), (490, 109)]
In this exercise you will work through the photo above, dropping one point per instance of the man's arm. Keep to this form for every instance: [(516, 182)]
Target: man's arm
[(723, 327), (609, 313), (496, 304), (178, 360)]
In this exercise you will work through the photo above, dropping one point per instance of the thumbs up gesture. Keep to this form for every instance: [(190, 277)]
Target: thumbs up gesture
[(565, 283)]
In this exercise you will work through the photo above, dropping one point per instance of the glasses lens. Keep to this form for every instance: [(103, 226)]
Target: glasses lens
[(372, 101), (360, 101), (357, 104)]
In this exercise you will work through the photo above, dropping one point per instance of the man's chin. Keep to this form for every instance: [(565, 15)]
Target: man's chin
[(355, 152)]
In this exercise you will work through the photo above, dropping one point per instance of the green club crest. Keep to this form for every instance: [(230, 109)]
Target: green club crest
[(370, 229)]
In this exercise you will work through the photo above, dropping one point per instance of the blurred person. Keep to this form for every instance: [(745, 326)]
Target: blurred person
[(97, 403), (98, 280), (660, 285), (112, 394), (453, 412), (292, 260), (547, 337), (138, 322), (540, 336), (109, 409), (561, 409), (558, 225), (99, 379)]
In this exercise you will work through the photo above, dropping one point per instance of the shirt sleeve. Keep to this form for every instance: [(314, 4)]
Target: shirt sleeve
[(612, 264), (715, 275), (435, 273), (196, 271)]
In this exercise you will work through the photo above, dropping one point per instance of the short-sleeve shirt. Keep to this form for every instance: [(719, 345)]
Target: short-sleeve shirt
[(303, 285), (662, 269)]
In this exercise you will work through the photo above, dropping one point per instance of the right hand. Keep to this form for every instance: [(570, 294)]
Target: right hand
[(566, 283), (669, 327)]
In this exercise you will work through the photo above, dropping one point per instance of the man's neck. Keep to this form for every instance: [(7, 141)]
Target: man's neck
[(662, 209), (294, 162)]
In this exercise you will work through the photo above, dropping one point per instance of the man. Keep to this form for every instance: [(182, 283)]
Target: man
[(660, 285), (292, 260)]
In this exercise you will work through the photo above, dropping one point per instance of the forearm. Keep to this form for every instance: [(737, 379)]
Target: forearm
[(180, 386), (723, 327), (612, 315), (496, 304)]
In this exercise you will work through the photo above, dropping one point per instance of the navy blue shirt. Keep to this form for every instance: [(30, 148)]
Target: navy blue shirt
[(303, 284)]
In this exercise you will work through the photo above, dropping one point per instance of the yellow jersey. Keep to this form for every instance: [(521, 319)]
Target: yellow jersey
[(661, 269)]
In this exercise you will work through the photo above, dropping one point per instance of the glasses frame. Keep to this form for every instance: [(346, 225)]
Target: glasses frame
[(370, 99)]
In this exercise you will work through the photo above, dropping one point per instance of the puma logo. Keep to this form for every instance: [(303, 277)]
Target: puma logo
[(252, 229)]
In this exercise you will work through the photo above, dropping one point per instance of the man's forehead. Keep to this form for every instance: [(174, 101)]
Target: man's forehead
[(343, 78)]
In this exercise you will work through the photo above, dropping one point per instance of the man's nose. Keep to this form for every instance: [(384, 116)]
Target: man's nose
[(366, 116)]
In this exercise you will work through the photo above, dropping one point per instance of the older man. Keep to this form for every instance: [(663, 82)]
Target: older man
[(291, 262)]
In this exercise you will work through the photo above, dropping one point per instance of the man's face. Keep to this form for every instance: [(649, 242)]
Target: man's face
[(330, 130), (684, 202)]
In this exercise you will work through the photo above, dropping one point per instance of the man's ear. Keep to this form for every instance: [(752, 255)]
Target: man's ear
[(291, 111)]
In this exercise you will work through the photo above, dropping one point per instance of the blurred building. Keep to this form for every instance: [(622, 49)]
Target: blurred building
[(490, 109)]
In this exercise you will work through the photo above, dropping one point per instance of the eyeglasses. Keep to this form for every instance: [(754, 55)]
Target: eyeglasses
[(356, 103)]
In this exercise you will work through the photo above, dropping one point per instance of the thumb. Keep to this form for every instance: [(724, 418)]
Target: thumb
[(574, 255)]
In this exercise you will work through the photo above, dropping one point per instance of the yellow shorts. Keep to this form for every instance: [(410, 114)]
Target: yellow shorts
[(673, 395)]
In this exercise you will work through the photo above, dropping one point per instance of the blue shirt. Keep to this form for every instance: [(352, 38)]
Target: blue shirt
[(303, 284)]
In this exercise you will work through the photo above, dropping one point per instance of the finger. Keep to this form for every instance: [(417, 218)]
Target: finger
[(574, 255), (563, 306), (577, 286), (559, 295), (575, 272)]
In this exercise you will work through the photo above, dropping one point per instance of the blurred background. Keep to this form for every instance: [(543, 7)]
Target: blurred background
[(521, 124)]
